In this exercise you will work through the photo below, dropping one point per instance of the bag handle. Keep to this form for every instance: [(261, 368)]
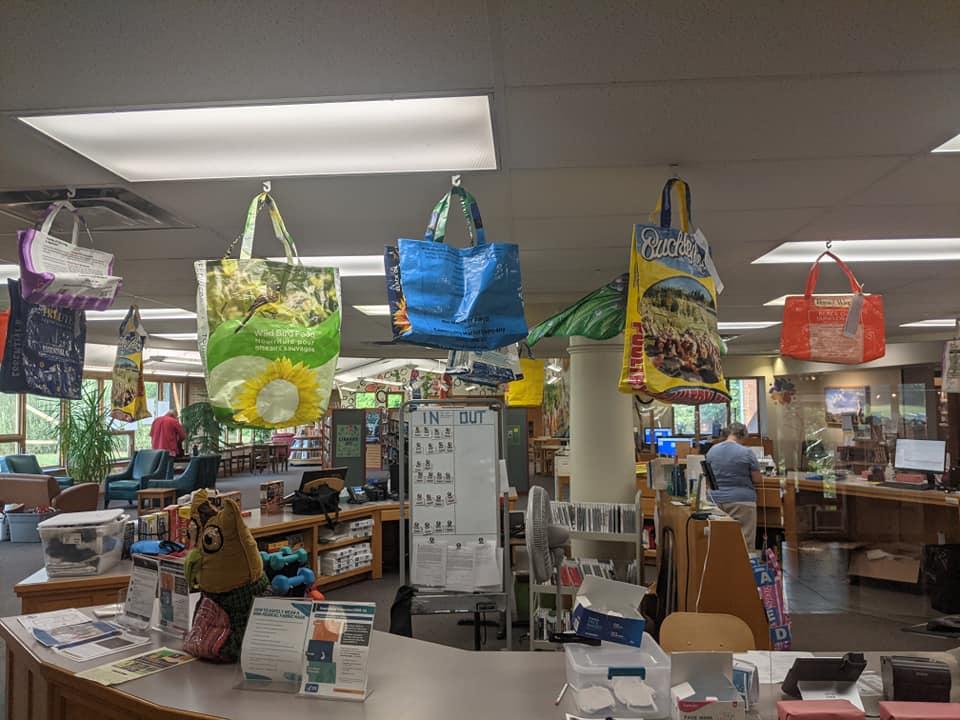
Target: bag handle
[(814, 275), (663, 204), (50, 214), (437, 227), (262, 200)]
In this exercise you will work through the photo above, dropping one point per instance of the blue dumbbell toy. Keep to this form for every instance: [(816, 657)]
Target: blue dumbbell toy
[(280, 560), (282, 584)]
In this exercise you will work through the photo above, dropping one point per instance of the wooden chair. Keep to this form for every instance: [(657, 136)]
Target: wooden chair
[(686, 631)]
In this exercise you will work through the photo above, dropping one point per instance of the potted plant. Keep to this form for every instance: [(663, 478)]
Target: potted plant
[(202, 427), (86, 438)]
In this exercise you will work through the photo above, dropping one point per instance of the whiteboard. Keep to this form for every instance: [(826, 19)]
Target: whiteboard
[(454, 499)]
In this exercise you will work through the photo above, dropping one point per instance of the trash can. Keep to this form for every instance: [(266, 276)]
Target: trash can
[(941, 577)]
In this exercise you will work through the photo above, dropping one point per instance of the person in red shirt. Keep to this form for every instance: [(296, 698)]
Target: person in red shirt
[(168, 434)]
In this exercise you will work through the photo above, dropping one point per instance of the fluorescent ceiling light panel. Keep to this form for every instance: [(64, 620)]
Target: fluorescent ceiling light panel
[(936, 323), (892, 250), (951, 145), (145, 314), (262, 141), (782, 300), (350, 265), (175, 336), (746, 325), (373, 310)]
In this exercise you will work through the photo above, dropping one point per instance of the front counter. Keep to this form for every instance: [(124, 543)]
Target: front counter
[(409, 679)]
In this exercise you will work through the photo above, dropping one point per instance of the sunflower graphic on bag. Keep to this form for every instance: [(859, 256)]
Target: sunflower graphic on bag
[(269, 332)]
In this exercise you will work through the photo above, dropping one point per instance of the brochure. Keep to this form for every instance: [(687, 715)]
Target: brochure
[(141, 591), (174, 598), (272, 653), (52, 619), (68, 635), (106, 646), (336, 650), (138, 666)]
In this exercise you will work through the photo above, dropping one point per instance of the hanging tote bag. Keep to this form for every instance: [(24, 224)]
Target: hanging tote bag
[(598, 316), (845, 329), (527, 392), (44, 349), (4, 323), (491, 368), (57, 273), (455, 298), (128, 397), (269, 332), (671, 344)]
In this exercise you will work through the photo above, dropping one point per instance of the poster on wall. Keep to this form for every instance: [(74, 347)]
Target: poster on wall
[(951, 366), (349, 440), (454, 488)]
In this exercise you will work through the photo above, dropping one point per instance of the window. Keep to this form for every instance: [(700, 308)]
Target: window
[(713, 418), (745, 402), (684, 419), (10, 417), (365, 400), (42, 420)]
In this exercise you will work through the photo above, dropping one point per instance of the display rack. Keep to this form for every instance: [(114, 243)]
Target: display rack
[(314, 447), (391, 439), (539, 589)]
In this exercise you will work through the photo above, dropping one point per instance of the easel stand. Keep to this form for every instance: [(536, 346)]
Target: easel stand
[(482, 510)]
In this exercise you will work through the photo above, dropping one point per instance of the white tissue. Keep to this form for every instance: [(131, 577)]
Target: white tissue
[(633, 692), (594, 699)]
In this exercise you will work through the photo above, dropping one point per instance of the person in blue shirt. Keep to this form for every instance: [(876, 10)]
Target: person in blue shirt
[(736, 469)]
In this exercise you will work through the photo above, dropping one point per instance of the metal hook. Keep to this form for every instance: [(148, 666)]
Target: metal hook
[(71, 193), (674, 174), (829, 244), (267, 185), (456, 181)]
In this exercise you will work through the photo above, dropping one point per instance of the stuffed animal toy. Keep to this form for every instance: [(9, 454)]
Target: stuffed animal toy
[(225, 565)]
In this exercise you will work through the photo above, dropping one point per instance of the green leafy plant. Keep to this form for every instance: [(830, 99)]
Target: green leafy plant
[(202, 427), (86, 438)]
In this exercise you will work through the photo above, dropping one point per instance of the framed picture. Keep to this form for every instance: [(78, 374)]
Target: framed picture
[(853, 402)]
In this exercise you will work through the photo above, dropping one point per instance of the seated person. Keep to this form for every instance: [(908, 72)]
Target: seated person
[(736, 470)]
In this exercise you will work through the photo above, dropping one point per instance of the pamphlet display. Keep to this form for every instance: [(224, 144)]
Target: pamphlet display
[(318, 649), (174, 598), (454, 489), (141, 592)]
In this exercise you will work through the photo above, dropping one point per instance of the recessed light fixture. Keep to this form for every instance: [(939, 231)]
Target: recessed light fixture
[(950, 146), (746, 325), (145, 314), (782, 300), (319, 138), (935, 323), (891, 250), (350, 265), (176, 336), (555, 366), (373, 310)]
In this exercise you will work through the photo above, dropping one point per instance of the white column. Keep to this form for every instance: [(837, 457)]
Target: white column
[(602, 456)]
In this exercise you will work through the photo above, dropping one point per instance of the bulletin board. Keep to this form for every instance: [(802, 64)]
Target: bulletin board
[(349, 434)]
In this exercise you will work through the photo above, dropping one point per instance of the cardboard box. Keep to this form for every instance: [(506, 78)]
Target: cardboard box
[(609, 610), (891, 710), (892, 562), (703, 687), (818, 710)]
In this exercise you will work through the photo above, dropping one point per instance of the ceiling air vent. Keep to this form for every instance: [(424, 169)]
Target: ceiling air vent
[(104, 209)]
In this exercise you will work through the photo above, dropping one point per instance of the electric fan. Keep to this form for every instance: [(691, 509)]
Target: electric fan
[(545, 543)]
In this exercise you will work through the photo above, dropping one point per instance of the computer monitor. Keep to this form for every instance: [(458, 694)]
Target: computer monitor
[(311, 476), (921, 455), (667, 446), (647, 436), (758, 451)]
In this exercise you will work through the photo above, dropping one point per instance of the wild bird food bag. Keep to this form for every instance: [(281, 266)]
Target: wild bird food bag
[(128, 396), (269, 332), (671, 344)]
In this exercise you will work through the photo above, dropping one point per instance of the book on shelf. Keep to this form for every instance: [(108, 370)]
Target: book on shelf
[(613, 518)]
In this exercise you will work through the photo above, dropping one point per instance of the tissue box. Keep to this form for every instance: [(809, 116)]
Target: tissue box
[(711, 697), (892, 710), (818, 710), (609, 610)]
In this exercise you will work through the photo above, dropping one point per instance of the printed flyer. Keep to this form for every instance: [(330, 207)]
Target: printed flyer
[(336, 650), (272, 651), (138, 666)]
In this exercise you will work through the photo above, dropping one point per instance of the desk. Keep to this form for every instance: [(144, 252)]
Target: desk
[(713, 571), (38, 593), (410, 680)]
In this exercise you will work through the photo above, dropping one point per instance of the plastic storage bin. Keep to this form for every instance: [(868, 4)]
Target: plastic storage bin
[(23, 525), (589, 668), (83, 543)]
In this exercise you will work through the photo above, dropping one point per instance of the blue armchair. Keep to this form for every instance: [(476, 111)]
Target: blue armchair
[(201, 472), (144, 466), (28, 465)]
